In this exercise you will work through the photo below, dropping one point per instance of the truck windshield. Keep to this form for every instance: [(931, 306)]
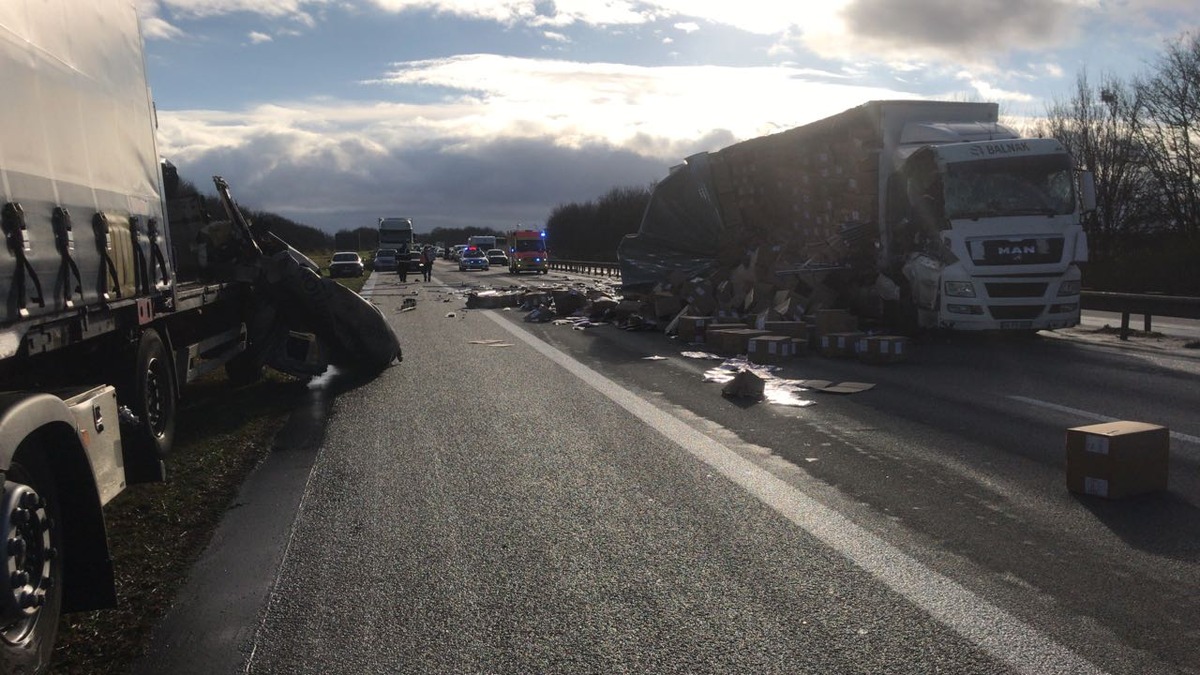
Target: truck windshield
[(1010, 186), (526, 245)]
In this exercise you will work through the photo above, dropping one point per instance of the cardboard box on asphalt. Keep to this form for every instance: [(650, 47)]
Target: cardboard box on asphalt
[(835, 321), (568, 301), (730, 340), (841, 345), (666, 305), (771, 349), (627, 308), (691, 328), (1117, 459), (699, 294), (745, 384), (883, 349), (796, 329)]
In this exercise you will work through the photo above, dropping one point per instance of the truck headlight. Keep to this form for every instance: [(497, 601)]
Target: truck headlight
[(960, 289), (1068, 288)]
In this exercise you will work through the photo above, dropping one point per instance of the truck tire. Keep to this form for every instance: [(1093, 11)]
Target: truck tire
[(29, 613), (149, 391)]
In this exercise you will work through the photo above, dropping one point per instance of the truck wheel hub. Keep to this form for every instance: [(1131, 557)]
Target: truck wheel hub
[(25, 536)]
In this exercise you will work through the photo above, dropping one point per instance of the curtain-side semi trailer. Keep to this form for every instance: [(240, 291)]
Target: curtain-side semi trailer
[(110, 306)]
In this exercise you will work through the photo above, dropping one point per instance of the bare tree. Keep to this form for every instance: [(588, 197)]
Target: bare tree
[(1168, 124), (1097, 125)]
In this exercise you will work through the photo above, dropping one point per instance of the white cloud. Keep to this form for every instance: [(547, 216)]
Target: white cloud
[(587, 102), (258, 38), (570, 131), (688, 26), (155, 28), (269, 8)]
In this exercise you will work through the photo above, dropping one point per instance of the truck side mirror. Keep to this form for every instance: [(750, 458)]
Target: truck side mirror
[(1087, 191)]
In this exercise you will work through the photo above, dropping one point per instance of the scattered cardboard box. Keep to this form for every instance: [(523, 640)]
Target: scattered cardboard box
[(730, 340), (840, 345), (771, 349), (666, 305), (831, 321), (745, 384), (716, 324), (1117, 459), (883, 349), (796, 329), (691, 328)]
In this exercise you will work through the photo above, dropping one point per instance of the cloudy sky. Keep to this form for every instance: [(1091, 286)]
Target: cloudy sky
[(473, 112)]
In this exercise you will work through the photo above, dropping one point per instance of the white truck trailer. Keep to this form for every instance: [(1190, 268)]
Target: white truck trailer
[(109, 308), (931, 207)]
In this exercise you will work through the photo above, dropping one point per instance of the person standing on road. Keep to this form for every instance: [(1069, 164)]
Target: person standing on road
[(427, 256), (402, 263)]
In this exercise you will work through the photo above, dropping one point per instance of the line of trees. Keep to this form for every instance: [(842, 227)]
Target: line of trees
[(592, 230), (1141, 138), (302, 237)]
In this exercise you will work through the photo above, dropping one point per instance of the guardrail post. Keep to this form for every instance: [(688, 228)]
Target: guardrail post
[(1146, 326), (1124, 325)]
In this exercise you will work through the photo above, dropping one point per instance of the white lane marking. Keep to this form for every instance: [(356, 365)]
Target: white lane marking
[(1000, 634), (369, 287), (1094, 416)]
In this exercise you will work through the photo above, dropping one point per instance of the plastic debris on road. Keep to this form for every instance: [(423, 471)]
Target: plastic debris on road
[(654, 358), (702, 355)]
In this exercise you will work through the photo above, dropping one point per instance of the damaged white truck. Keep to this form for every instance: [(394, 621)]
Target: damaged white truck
[(918, 214), (110, 307)]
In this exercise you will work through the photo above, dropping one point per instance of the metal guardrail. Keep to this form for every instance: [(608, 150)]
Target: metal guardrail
[(607, 269), (1146, 304)]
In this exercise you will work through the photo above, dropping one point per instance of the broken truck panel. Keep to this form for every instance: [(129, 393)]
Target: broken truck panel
[(350, 332)]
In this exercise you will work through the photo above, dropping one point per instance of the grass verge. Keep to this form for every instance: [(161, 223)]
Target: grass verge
[(158, 530)]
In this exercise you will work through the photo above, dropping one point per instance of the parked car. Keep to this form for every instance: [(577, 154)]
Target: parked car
[(456, 251), (346, 264), (472, 259), (385, 260), (497, 256)]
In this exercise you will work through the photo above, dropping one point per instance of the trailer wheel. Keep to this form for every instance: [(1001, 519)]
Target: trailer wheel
[(31, 601), (151, 396)]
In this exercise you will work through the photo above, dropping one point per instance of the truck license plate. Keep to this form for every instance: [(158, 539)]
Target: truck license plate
[(1016, 325)]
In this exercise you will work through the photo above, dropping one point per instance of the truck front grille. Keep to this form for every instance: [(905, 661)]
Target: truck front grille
[(1015, 312), (1022, 290)]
